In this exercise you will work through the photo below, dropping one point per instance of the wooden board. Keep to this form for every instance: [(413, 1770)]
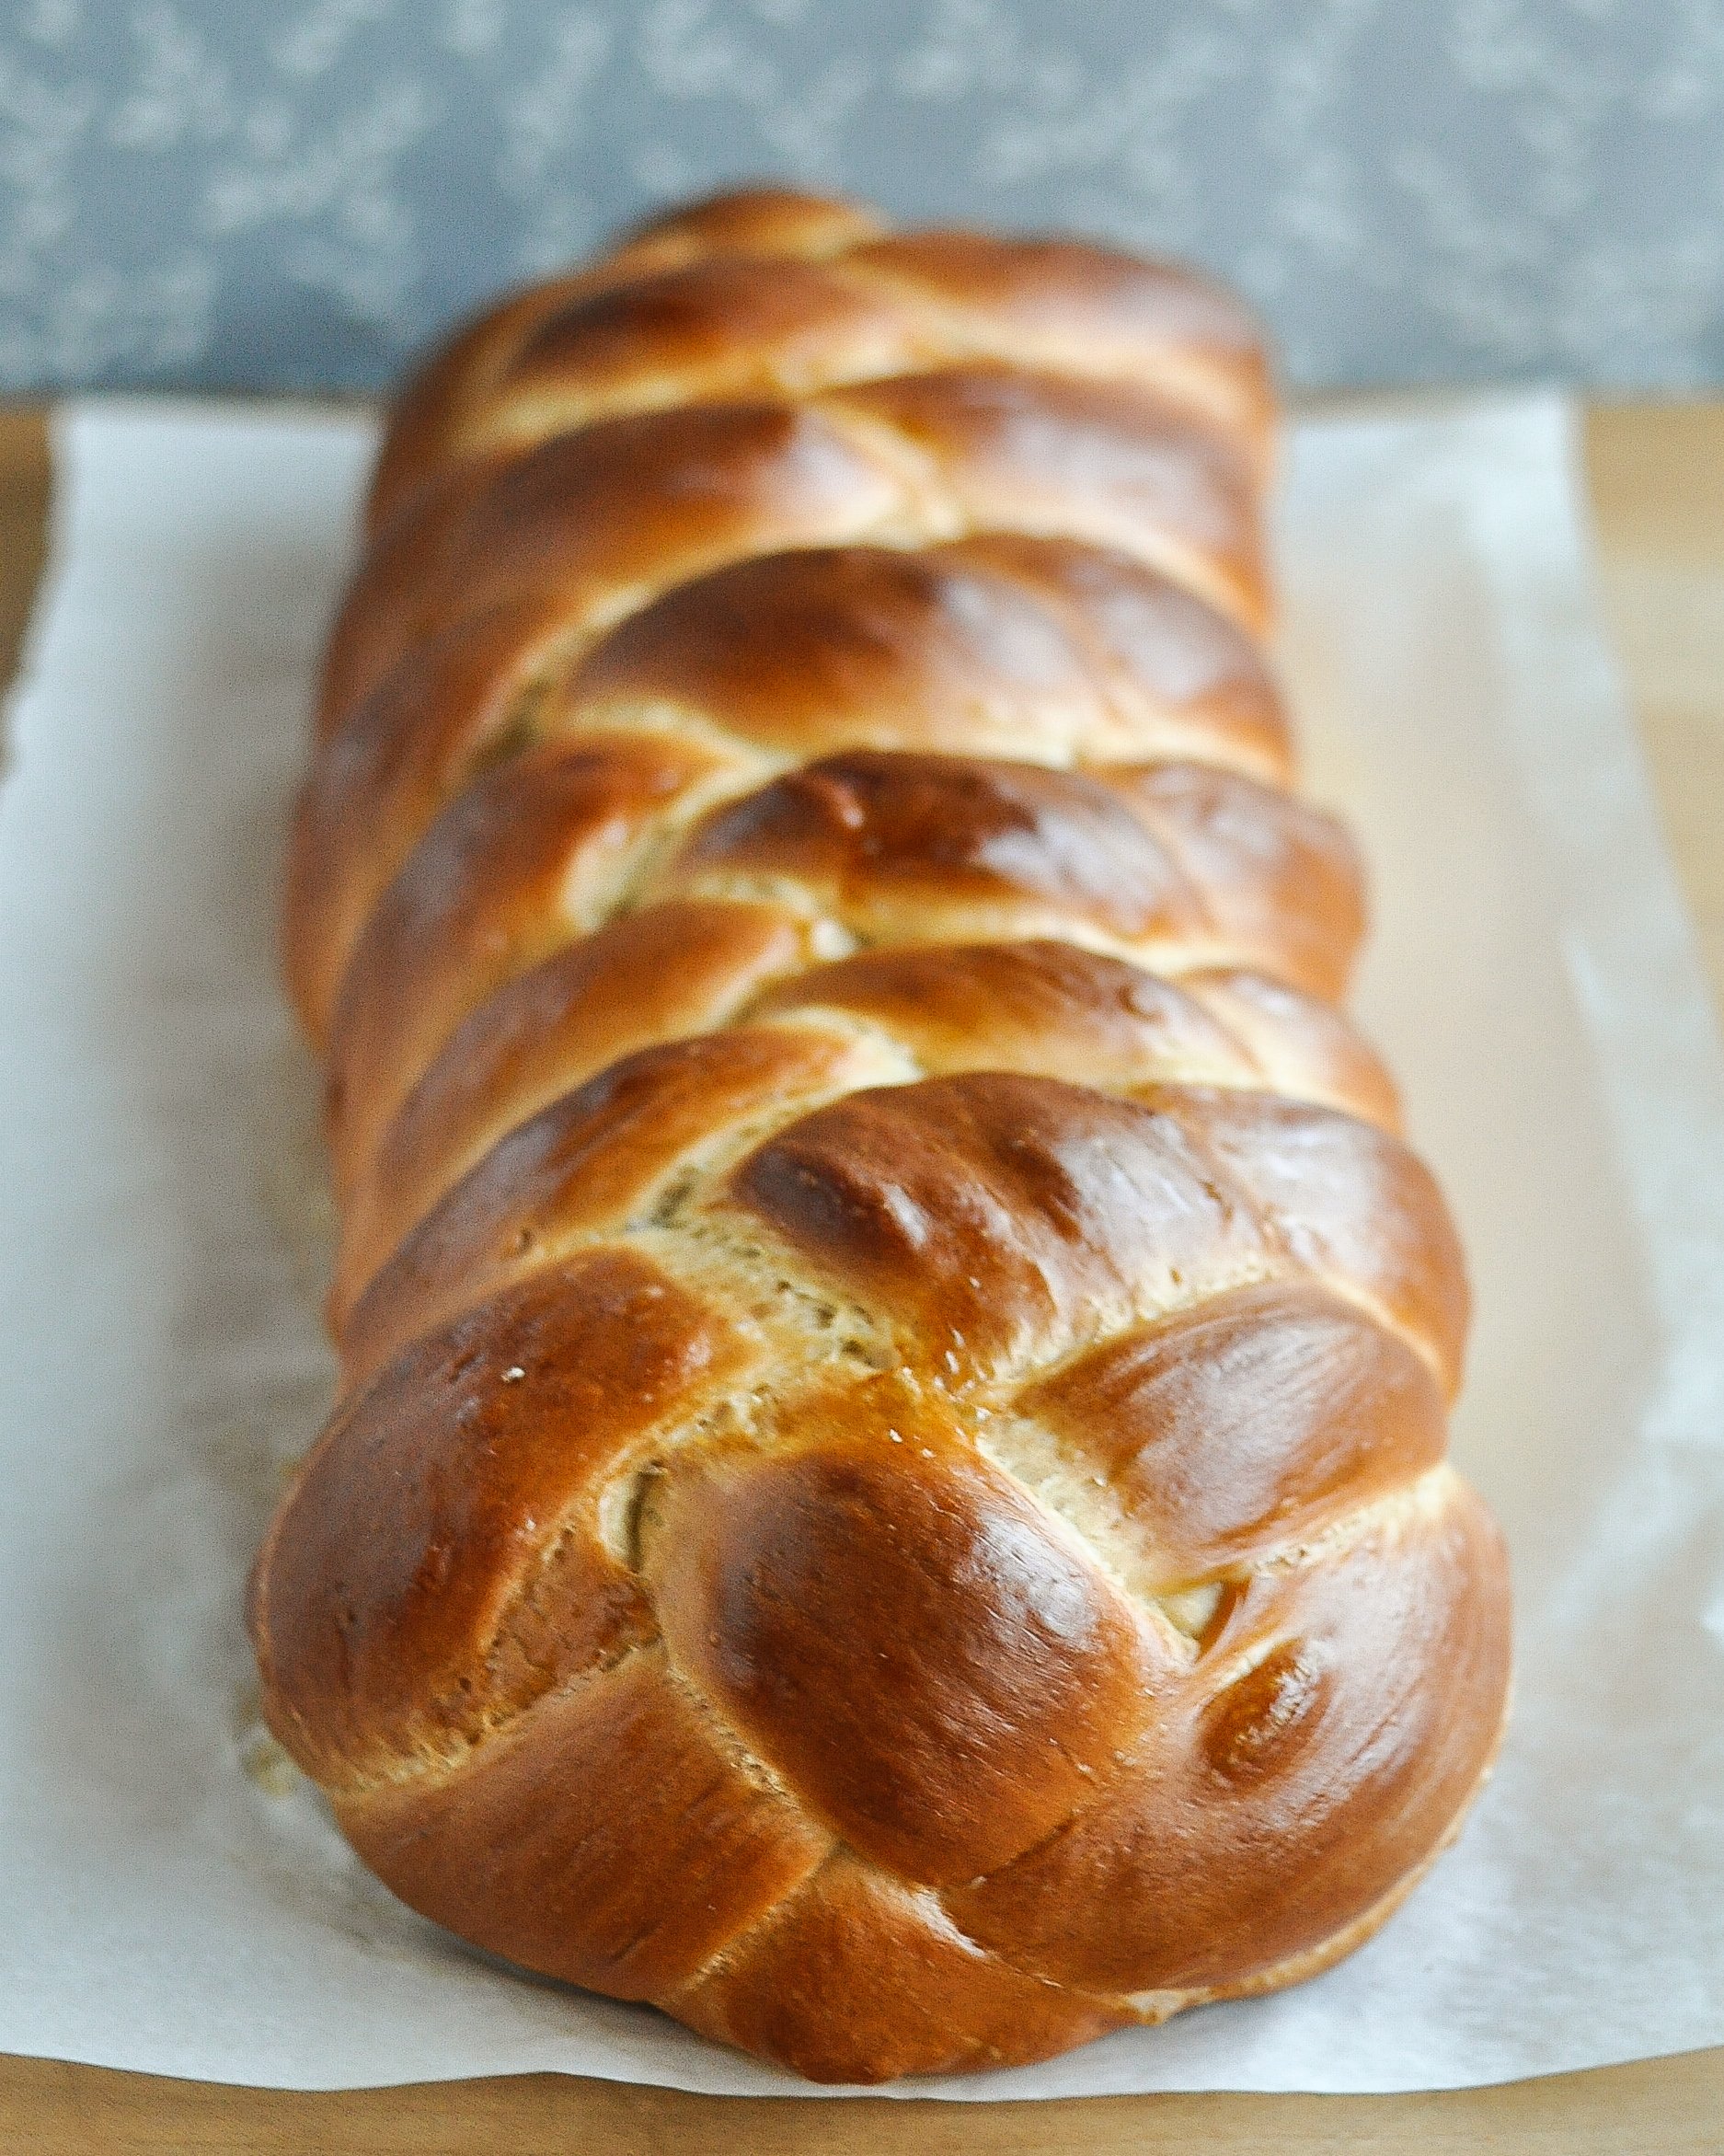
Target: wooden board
[(1658, 487)]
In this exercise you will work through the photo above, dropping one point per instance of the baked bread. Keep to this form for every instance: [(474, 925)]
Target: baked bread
[(888, 1494)]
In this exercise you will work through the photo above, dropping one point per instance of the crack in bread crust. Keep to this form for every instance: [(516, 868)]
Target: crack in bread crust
[(889, 1493)]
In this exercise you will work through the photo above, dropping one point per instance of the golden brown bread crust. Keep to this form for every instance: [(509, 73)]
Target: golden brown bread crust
[(672, 494), (888, 1494), (1171, 865), (770, 290), (996, 645), (772, 222)]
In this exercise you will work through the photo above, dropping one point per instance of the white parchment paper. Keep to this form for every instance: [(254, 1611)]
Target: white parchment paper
[(171, 1899)]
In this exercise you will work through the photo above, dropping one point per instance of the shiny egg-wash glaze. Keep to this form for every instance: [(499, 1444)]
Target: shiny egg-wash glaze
[(889, 1493)]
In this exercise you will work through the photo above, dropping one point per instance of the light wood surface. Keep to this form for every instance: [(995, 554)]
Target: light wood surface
[(1658, 490), (24, 487), (1657, 505)]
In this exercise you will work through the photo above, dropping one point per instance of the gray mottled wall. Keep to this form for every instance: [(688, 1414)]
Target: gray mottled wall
[(231, 193)]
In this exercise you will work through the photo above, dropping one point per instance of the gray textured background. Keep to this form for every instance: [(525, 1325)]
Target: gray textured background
[(229, 194)]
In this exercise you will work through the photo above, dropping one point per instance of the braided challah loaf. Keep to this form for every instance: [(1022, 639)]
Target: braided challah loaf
[(890, 1490)]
